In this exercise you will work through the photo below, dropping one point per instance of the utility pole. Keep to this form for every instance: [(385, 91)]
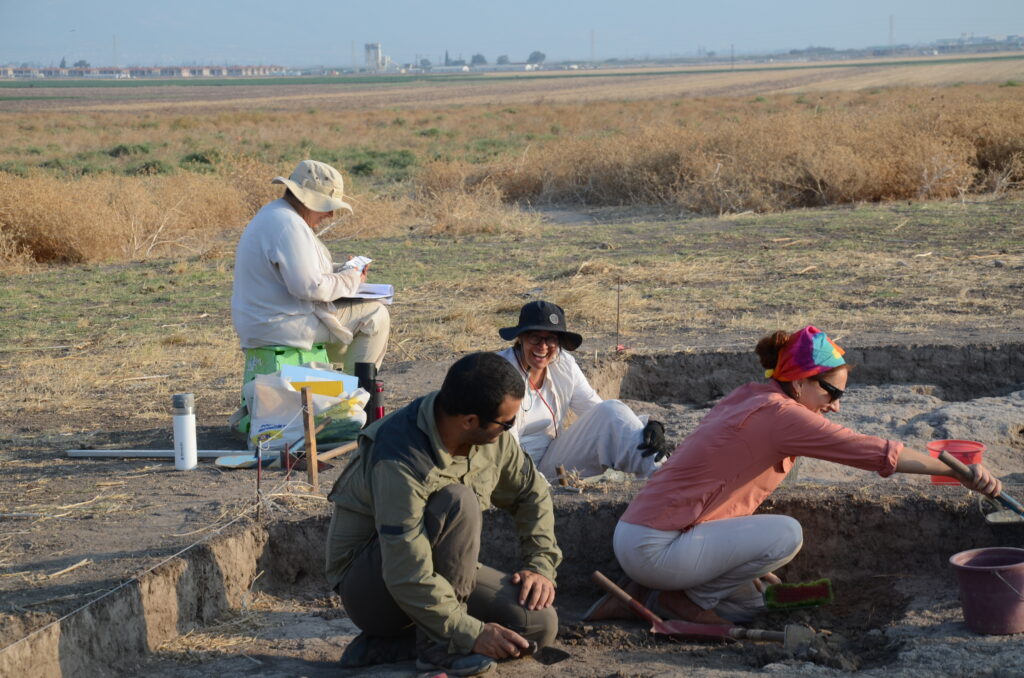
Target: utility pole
[(355, 66), (732, 57), (593, 60), (892, 43), (114, 53)]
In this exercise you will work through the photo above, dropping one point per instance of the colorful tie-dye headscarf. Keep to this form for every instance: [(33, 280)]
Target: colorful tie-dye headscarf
[(807, 353)]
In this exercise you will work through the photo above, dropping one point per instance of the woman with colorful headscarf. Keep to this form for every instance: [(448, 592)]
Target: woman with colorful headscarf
[(688, 540)]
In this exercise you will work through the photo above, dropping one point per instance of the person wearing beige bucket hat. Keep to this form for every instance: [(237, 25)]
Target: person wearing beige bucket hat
[(287, 290), (317, 186)]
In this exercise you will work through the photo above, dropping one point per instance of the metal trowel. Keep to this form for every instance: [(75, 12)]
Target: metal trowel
[(1015, 512), (546, 655)]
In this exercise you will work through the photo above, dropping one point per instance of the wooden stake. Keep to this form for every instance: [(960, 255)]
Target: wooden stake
[(563, 479), (339, 450), (309, 427)]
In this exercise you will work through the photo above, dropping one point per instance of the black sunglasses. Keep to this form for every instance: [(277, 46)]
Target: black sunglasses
[(833, 392), (507, 425)]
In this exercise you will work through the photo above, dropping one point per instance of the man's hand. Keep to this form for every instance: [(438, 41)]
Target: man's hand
[(654, 441), (497, 642), (537, 592)]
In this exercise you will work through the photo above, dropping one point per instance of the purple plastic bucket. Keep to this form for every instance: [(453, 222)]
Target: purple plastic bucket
[(991, 589)]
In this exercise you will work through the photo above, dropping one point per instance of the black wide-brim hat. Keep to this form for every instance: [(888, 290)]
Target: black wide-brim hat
[(543, 316)]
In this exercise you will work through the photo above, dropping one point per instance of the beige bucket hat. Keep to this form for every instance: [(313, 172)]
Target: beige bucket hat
[(317, 185)]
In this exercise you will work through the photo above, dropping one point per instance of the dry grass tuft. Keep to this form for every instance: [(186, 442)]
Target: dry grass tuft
[(15, 257), (773, 162), (375, 216), (250, 177), (447, 201), (73, 192), (457, 200), (114, 218)]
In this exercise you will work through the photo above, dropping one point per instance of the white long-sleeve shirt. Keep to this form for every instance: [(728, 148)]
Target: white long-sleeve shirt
[(565, 389), (284, 279)]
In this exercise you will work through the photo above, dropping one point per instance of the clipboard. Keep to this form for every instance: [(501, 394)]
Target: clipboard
[(382, 292)]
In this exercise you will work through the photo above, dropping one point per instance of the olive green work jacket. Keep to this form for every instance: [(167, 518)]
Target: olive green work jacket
[(383, 492)]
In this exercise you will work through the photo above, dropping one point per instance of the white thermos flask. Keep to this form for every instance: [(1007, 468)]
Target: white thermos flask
[(183, 406)]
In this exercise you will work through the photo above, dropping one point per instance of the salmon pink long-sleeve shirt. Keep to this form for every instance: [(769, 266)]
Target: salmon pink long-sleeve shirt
[(741, 451)]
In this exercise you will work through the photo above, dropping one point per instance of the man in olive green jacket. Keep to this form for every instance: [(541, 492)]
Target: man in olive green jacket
[(404, 541)]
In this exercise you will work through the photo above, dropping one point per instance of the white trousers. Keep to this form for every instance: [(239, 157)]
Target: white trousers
[(605, 437), (370, 325), (715, 562)]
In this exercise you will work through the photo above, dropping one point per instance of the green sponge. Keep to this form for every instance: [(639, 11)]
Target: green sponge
[(789, 596)]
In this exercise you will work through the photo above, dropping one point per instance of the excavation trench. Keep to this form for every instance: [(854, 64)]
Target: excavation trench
[(884, 545)]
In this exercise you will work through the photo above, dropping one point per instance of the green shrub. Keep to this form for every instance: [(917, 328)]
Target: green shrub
[(149, 167), (18, 169), (54, 164), (385, 164), (482, 150), (123, 150), (208, 157), (364, 168)]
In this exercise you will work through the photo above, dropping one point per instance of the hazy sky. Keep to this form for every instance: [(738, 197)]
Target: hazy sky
[(309, 33)]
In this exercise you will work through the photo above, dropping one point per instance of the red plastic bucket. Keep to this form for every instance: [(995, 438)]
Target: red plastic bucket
[(991, 589), (967, 451)]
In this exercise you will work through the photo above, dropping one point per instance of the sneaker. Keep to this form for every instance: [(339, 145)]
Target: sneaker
[(436, 658), (366, 650)]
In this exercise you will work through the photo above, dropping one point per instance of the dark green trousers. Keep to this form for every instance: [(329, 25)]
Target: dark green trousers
[(453, 523)]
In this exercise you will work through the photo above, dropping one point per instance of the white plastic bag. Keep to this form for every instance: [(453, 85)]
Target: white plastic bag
[(276, 410)]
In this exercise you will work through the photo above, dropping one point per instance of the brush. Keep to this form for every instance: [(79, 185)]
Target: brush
[(790, 596)]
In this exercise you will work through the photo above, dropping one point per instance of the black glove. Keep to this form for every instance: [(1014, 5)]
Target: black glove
[(654, 441)]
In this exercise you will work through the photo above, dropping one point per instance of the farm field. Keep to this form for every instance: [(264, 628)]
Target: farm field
[(511, 88), (675, 213)]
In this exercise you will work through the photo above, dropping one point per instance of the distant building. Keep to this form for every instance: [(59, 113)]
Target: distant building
[(499, 68), (119, 73), (375, 59)]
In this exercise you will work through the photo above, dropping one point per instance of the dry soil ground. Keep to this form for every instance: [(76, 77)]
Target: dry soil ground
[(138, 513)]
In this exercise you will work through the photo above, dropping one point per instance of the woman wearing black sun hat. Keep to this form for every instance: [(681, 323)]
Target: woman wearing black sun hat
[(606, 433)]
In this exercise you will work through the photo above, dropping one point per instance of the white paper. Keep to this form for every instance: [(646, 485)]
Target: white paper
[(380, 291), (358, 263)]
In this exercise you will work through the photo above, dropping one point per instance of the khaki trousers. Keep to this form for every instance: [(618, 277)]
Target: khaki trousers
[(370, 324)]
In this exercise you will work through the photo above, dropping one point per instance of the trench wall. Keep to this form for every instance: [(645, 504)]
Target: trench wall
[(190, 590), (959, 372), (847, 533)]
